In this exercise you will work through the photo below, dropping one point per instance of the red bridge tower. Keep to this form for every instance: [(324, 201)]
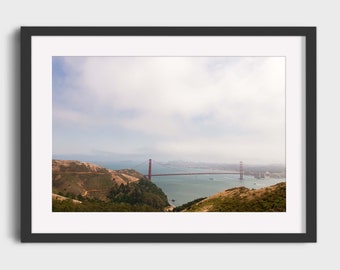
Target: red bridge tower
[(150, 169), (241, 170)]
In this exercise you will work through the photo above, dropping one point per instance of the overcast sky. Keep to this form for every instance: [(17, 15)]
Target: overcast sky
[(215, 109)]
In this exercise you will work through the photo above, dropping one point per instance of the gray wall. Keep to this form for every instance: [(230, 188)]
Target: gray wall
[(323, 14)]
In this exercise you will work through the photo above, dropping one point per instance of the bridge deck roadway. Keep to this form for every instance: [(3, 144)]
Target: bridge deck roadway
[(194, 173)]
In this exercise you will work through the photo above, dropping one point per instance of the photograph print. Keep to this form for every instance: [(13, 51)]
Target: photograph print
[(168, 134)]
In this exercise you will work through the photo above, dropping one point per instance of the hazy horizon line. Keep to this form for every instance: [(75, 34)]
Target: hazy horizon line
[(96, 158)]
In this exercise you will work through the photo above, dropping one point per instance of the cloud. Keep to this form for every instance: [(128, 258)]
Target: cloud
[(218, 106)]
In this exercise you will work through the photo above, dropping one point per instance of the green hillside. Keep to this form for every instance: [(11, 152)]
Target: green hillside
[(241, 199), (99, 189)]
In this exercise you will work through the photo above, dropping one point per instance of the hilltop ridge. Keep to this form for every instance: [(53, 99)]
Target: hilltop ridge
[(88, 179), (241, 199), (84, 186)]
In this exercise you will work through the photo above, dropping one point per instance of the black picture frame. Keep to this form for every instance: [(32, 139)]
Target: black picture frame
[(310, 234)]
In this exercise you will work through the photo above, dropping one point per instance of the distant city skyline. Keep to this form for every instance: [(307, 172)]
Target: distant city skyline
[(199, 109)]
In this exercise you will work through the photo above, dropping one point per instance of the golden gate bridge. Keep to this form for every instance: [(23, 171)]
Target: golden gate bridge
[(150, 174)]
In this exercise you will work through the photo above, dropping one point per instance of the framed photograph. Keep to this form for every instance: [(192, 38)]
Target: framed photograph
[(168, 134)]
